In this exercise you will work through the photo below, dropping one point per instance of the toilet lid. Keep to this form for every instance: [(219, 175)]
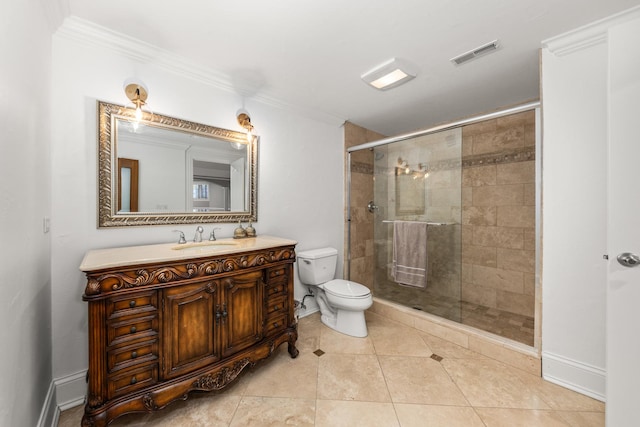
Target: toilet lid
[(346, 289)]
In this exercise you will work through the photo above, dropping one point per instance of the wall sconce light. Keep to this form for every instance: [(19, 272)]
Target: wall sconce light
[(403, 168), (137, 93), (245, 121), (422, 171), (402, 164)]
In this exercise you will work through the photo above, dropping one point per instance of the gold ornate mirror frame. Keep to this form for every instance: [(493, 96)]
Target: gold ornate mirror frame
[(108, 216)]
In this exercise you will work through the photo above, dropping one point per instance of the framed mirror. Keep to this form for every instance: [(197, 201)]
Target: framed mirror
[(162, 170)]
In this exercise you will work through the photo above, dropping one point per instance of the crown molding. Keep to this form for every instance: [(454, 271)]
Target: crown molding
[(588, 35), (91, 34)]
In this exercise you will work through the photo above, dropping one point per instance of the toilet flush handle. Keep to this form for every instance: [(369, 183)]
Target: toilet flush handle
[(306, 261)]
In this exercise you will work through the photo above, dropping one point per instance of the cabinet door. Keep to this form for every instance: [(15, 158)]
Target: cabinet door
[(190, 329), (242, 302)]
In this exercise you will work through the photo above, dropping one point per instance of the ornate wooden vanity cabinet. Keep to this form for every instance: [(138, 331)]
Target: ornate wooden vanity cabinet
[(165, 321)]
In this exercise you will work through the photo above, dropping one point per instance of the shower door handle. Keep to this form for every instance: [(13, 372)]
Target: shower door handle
[(628, 259), (372, 207)]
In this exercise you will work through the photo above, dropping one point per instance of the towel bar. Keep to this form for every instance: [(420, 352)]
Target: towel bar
[(389, 221)]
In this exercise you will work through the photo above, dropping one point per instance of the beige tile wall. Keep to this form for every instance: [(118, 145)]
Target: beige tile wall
[(498, 217), (362, 263)]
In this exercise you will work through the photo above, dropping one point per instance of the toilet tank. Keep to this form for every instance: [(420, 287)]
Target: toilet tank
[(317, 266)]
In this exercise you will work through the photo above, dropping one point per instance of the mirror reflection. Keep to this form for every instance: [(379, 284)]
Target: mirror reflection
[(171, 171), (181, 172), (410, 193)]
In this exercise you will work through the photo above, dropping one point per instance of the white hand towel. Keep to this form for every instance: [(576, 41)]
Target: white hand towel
[(410, 253)]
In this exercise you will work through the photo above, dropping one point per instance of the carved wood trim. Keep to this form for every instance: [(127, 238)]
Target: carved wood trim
[(160, 396), (225, 376), (96, 392), (149, 403), (138, 277)]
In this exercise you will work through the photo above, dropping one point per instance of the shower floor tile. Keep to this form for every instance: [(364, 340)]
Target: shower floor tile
[(506, 324)]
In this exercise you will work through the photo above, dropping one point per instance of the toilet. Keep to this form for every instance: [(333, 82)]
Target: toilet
[(342, 302)]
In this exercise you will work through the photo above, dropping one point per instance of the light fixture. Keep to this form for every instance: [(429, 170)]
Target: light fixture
[(137, 93), (245, 121), (390, 74), (402, 164), (403, 168), (422, 171)]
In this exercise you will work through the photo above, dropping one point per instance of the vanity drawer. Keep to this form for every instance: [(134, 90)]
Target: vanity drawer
[(277, 290), (274, 274), (136, 304), (275, 324), (276, 305), (126, 356), (132, 380), (130, 329)]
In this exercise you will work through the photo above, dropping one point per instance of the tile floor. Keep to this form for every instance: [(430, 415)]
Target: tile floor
[(391, 378)]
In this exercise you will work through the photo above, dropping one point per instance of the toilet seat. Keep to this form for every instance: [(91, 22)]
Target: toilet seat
[(346, 289)]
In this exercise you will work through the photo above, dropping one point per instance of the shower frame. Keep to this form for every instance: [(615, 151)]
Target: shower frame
[(452, 125)]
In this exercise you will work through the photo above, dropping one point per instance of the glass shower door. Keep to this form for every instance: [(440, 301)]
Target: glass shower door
[(420, 181)]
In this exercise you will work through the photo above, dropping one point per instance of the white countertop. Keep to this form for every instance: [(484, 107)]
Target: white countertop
[(99, 259)]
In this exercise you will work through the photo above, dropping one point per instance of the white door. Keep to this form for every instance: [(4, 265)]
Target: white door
[(623, 288)]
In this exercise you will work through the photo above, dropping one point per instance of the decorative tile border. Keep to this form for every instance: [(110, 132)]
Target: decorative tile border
[(512, 156), (362, 167), (523, 154)]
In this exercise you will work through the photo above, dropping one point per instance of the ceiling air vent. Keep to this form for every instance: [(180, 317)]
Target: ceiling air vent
[(475, 53)]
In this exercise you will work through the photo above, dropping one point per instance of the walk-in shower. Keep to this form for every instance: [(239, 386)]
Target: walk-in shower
[(444, 221)]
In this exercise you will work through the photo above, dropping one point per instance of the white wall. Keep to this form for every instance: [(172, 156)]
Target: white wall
[(300, 178), (25, 306), (574, 205)]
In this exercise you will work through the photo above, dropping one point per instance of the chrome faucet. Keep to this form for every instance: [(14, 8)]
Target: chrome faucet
[(198, 236), (212, 235), (182, 240)]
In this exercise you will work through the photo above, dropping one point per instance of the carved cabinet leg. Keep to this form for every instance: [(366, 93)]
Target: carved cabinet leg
[(293, 351)]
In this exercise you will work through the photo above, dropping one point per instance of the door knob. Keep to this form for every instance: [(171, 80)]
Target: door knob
[(628, 259)]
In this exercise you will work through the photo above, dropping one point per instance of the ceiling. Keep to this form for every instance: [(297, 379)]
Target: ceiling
[(309, 55)]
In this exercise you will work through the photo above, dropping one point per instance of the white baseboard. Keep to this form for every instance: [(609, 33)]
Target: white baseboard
[(71, 390), (64, 393), (309, 311), (49, 412), (574, 375)]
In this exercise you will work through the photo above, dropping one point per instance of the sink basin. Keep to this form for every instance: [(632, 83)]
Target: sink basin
[(204, 246)]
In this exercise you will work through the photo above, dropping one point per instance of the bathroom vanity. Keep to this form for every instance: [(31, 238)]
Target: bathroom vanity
[(168, 319)]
